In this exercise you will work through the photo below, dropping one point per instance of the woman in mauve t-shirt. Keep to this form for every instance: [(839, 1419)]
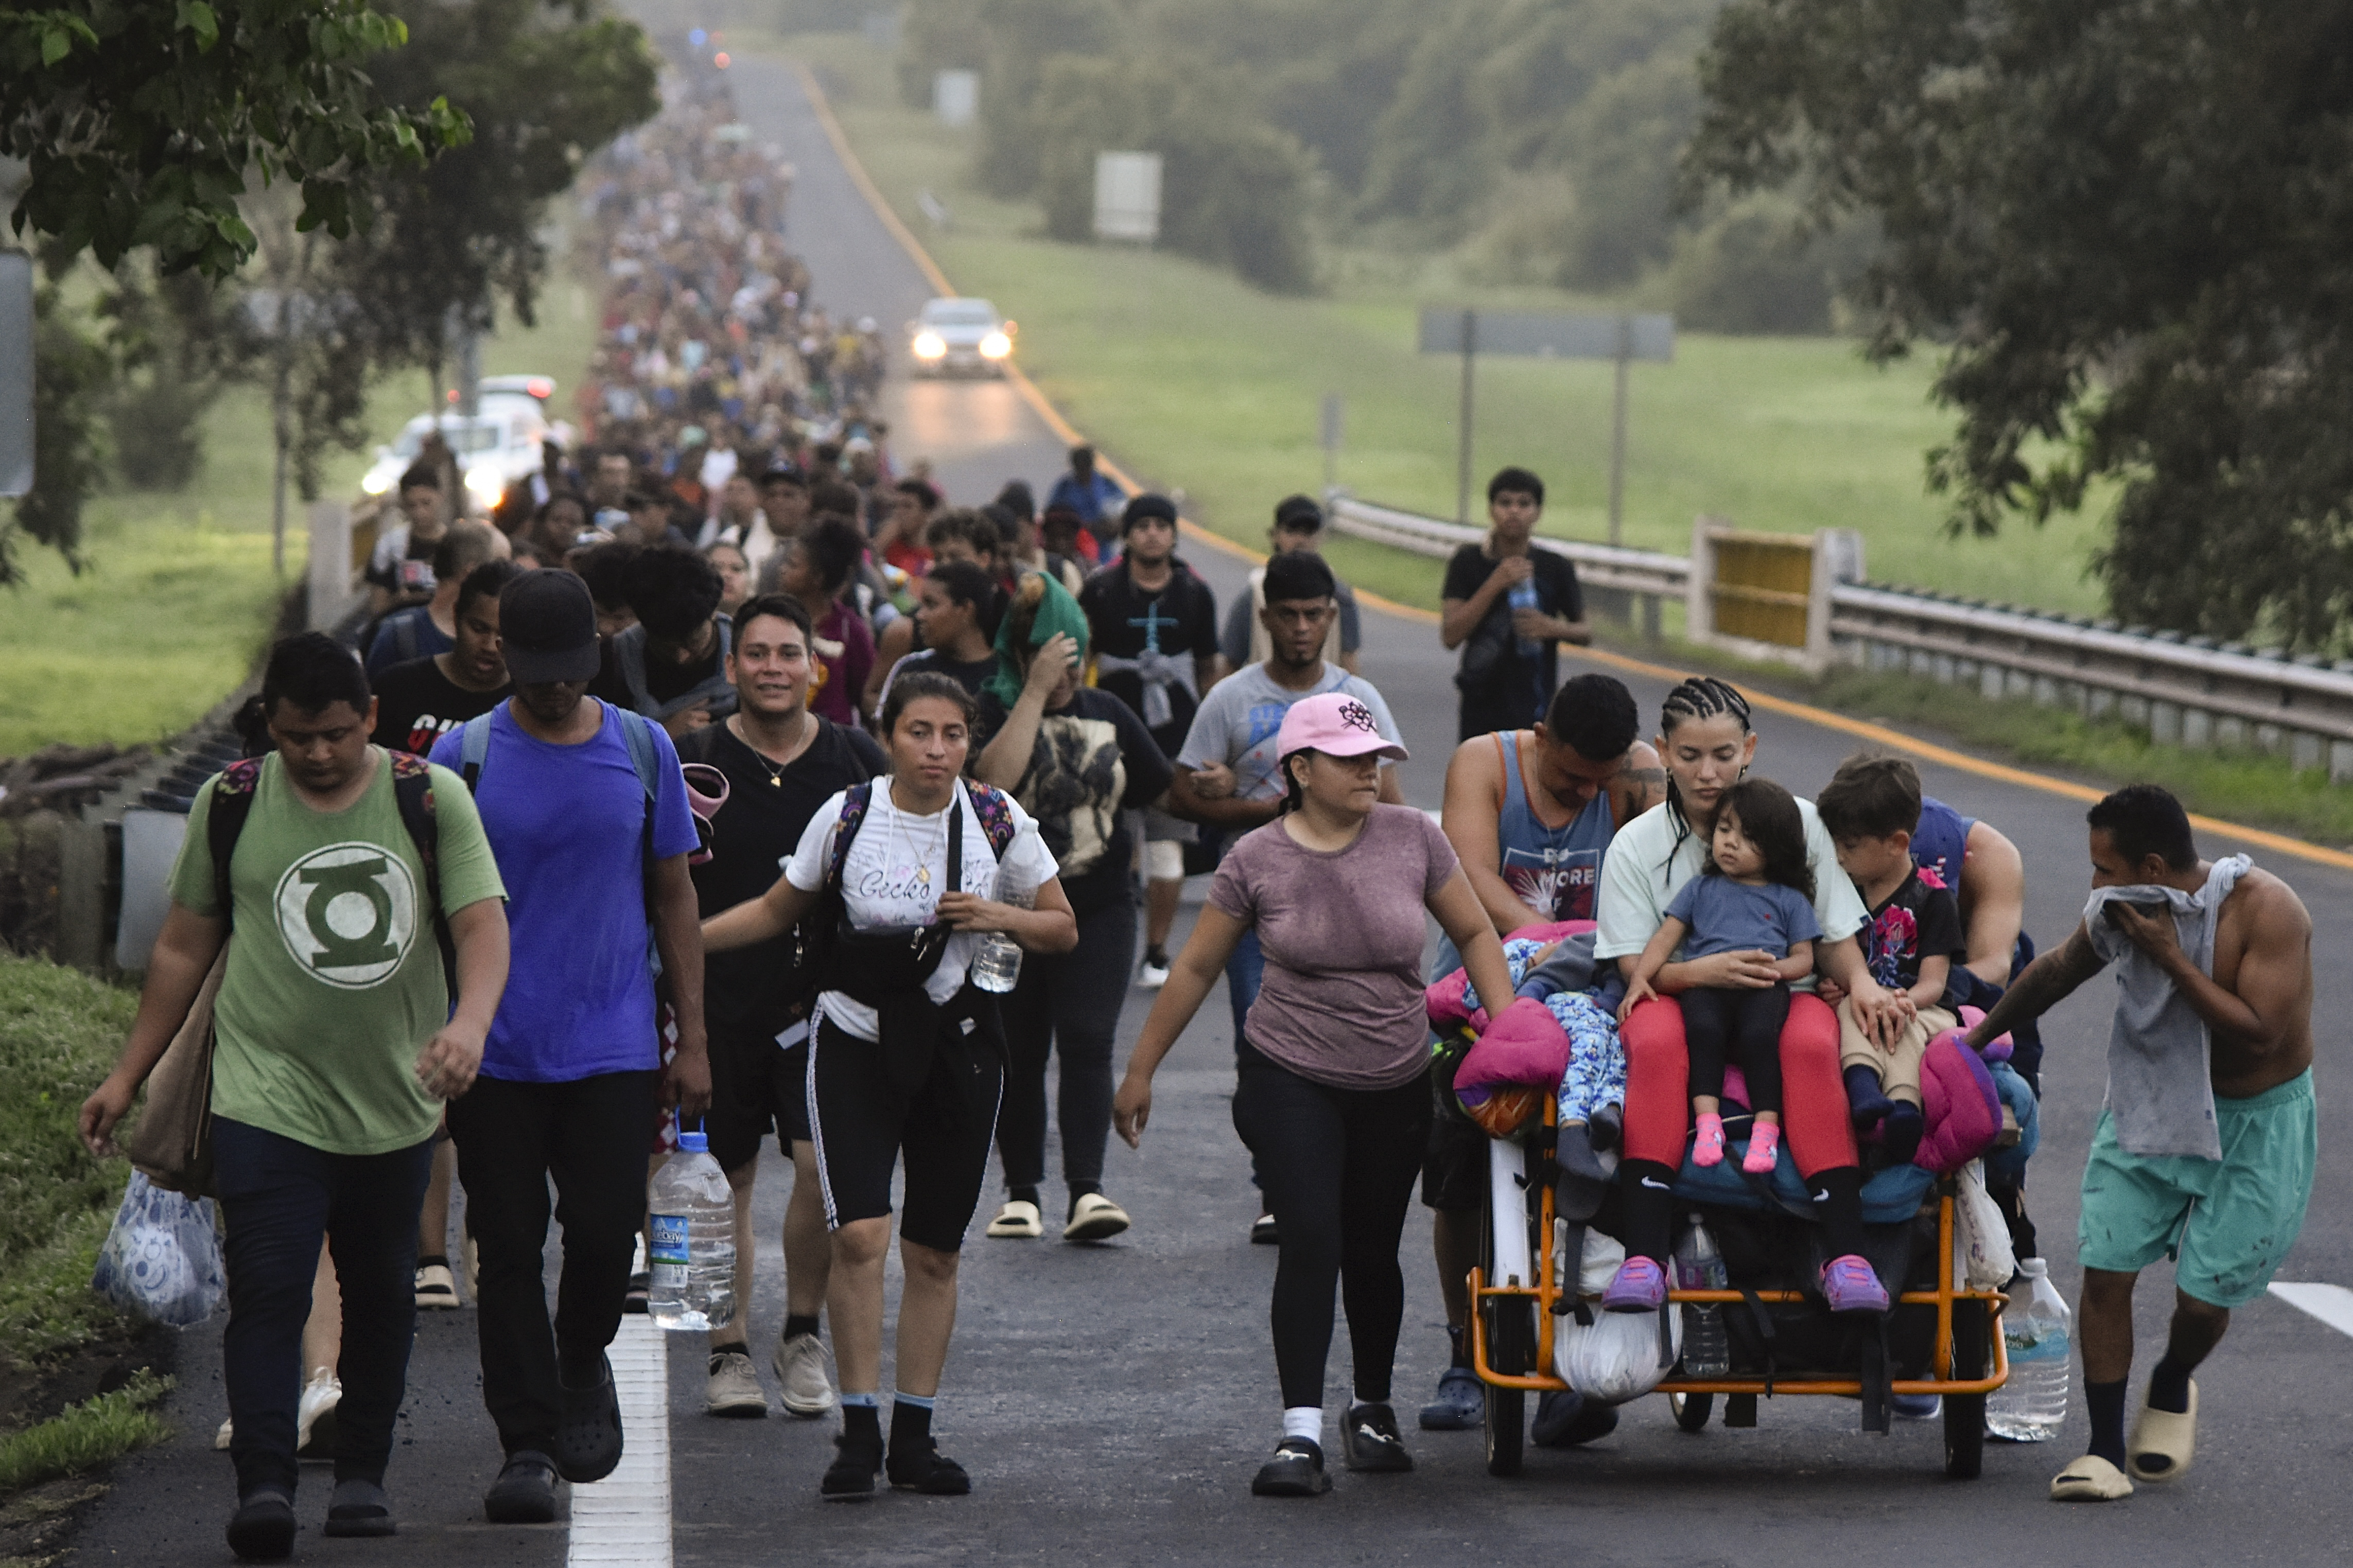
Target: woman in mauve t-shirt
[(1334, 1098)]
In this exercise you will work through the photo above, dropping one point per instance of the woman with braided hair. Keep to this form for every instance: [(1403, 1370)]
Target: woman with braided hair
[(1707, 744)]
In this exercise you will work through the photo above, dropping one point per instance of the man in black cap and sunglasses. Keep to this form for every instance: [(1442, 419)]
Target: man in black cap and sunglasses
[(587, 813)]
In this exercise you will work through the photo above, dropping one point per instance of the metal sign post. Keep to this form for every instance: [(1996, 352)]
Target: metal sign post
[(1334, 413), (1621, 339), (15, 372)]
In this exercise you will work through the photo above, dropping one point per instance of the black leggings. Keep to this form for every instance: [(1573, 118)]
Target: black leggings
[(1738, 1026), (1338, 1167), (1066, 1004)]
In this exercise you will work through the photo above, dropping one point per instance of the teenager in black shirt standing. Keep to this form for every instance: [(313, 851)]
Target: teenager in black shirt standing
[(782, 762), (1155, 641), (418, 702), (1508, 607)]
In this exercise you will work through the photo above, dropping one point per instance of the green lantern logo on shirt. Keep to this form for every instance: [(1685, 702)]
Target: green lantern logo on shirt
[(348, 913)]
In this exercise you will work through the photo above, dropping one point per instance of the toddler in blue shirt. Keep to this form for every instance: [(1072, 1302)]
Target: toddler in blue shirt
[(1755, 895)]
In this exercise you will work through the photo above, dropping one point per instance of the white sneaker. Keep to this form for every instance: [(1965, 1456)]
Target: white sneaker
[(221, 1438), (734, 1387), (800, 1365), (1094, 1218), (436, 1288), (1151, 976), (1018, 1220), (314, 1417)]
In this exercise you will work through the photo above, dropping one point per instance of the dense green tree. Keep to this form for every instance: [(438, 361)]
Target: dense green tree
[(2128, 226), (545, 84), (143, 122)]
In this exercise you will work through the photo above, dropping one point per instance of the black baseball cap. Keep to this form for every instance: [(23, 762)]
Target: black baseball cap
[(783, 473), (1299, 513), (548, 623)]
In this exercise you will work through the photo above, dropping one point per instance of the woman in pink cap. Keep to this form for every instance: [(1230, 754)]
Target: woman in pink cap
[(1334, 1098)]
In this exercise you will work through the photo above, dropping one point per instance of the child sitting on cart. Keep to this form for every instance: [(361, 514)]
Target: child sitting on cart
[(1755, 895), (1871, 808)]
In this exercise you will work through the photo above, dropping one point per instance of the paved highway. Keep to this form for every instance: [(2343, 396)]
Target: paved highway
[(1113, 1402)]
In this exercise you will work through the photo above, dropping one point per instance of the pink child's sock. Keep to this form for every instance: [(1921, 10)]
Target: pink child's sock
[(1707, 1148), (1764, 1148)]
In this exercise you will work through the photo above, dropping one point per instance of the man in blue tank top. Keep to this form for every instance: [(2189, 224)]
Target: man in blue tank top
[(1530, 812)]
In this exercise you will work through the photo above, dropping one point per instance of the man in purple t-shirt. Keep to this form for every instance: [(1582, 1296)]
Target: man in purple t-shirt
[(593, 847)]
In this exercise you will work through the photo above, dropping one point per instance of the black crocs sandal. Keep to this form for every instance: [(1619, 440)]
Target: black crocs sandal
[(931, 1472), (262, 1528), (360, 1508), (589, 1443), (524, 1492), (1369, 1440), (851, 1476), (1296, 1471)]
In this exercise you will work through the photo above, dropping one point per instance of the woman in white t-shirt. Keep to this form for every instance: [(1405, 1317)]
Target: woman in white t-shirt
[(1707, 744), (902, 878)]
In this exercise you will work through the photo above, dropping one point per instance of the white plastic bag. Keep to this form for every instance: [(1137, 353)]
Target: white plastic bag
[(1596, 1267), (1982, 1257), (163, 1258), (1618, 1358)]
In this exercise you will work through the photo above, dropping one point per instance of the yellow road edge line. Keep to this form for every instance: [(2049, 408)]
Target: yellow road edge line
[(1879, 734)]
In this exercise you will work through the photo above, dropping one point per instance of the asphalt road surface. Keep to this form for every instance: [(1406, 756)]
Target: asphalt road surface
[(1111, 1402)]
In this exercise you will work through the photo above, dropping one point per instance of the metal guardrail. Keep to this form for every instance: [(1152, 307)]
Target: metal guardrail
[(2186, 691)]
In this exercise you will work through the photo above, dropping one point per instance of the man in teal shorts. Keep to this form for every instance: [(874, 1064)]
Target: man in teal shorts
[(2207, 1145)]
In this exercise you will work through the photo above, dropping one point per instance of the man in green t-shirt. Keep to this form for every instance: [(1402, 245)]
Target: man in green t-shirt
[(335, 1043)]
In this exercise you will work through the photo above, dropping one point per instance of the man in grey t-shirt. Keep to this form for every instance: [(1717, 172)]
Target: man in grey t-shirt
[(1226, 773)]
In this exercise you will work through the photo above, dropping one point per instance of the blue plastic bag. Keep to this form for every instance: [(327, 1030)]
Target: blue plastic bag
[(163, 1258)]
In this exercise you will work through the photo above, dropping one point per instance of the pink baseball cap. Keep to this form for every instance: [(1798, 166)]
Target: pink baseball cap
[(1335, 724)]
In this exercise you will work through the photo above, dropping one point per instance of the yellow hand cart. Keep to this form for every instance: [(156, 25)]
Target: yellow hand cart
[(1512, 1324)]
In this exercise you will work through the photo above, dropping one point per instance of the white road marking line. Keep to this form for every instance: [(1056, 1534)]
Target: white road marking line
[(626, 1517), (2332, 1304)]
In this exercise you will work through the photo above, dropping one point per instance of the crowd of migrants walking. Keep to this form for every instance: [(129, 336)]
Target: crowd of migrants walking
[(723, 782)]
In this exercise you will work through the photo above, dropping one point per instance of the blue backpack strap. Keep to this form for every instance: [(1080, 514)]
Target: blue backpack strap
[(644, 756), (403, 637), (231, 803), (473, 747)]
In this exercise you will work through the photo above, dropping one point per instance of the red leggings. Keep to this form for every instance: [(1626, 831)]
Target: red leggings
[(1814, 1097)]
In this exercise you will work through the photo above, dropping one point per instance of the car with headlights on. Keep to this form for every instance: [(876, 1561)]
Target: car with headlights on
[(959, 337)]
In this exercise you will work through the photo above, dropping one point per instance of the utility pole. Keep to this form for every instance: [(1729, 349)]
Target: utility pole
[(1463, 435)]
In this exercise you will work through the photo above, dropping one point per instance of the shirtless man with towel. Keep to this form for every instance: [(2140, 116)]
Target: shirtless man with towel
[(2207, 1145)]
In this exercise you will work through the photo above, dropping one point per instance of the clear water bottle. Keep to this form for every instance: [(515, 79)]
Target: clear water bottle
[(997, 965), (692, 1251), (1707, 1350), (1523, 596), (2030, 1407)]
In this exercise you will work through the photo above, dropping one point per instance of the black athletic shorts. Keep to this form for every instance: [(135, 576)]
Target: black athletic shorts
[(756, 1085), (1454, 1165), (866, 1124)]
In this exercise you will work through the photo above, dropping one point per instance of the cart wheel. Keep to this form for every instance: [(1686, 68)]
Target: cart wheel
[(1965, 1412), (1511, 1348), (1692, 1410)]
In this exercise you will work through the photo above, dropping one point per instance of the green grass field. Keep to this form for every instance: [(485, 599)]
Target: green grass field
[(176, 596), (1192, 379)]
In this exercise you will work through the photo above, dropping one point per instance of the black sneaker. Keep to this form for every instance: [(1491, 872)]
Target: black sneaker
[(524, 1492), (1296, 1471), (1369, 1440), (851, 1476), (262, 1528), (1264, 1232), (1566, 1418), (930, 1472), (589, 1443)]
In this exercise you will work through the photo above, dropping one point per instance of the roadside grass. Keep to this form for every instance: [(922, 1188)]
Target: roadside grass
[(1192, 379), (2244, 786), (176, 597), (60, 1031), (86, 1435)]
